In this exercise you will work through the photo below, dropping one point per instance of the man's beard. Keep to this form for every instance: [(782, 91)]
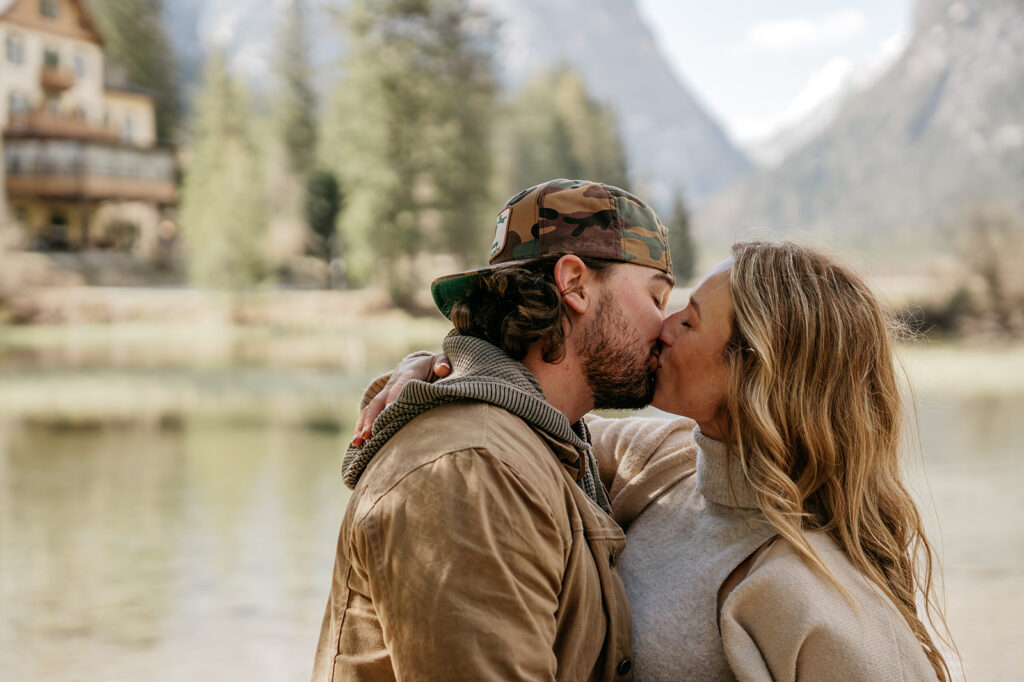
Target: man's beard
[(616, 361)]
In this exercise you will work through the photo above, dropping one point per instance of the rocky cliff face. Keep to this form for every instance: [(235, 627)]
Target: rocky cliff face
[(940, 134), (671, 141)]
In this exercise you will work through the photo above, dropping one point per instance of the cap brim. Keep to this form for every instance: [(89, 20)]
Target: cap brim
[(450, 288)]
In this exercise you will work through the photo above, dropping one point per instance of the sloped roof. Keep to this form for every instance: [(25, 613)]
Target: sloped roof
[(85, 16), (85, 19)]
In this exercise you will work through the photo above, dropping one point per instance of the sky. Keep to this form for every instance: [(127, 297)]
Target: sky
[(758, 66)]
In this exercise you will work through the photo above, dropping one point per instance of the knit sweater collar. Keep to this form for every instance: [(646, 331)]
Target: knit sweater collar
[(719, 475), (483, 372)]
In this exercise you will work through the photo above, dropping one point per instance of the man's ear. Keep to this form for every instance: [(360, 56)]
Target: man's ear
[(570, 278)]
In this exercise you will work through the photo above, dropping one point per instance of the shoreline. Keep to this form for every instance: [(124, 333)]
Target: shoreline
[(321, 388), (156, 355)]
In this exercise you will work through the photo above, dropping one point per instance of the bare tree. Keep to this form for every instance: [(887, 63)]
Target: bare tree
[(993, 253)]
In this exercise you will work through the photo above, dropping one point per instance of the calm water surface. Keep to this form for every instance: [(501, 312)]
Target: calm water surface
[(203, 550), (199, 553)]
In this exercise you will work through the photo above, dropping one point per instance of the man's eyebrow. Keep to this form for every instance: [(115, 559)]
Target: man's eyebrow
[(695, 305), (665, 277)]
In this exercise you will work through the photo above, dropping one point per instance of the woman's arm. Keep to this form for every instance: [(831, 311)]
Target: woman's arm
[(382, 391), (787, 621), (640, 458)]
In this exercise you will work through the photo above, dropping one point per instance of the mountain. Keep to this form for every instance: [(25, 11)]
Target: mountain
[(816, 106), (940, 134), (671, 140)]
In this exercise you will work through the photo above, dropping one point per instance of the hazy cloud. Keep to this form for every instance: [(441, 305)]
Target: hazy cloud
[(218, 29), (801, 33)]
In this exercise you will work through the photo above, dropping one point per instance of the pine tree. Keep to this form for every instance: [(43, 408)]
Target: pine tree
[(321, 206), (680, 240), (553, 128), (134, 37), (222, 204), (290, 143), (595, 142), (296, 100), (407, 133)]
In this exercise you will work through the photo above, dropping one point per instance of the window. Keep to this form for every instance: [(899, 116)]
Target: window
[(81, 65), (78, 112), (52, 104), (55, 235), (17, 103), (49, 8), (15, 49), (51, 57), (128, 132)]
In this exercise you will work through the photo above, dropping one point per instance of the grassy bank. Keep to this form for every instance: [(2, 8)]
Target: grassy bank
[(294, 366), (114, 373), (964, 369), (301, 356)]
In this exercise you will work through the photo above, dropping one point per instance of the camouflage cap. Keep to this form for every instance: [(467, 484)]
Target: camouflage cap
[(562, 216)]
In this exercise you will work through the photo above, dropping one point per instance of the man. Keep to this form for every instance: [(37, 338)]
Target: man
[(477, 543)]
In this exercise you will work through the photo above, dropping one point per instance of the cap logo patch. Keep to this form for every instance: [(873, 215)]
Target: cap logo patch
[(501, 231)]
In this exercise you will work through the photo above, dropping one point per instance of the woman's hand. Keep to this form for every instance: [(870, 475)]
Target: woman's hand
[(416, 367)]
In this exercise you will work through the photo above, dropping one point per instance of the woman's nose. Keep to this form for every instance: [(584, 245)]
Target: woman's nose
[(669, 328)]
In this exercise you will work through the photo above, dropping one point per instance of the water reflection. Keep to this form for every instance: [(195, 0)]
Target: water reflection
[(167, 555), (974, 458), (202, 550)]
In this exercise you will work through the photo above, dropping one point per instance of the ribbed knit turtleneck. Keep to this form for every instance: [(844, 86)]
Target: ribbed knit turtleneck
[(679, 551), (719, 476)]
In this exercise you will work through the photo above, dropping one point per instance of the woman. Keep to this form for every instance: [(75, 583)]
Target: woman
[(779, 542)]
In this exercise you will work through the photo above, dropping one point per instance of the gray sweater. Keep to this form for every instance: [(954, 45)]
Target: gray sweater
[(688, 527)]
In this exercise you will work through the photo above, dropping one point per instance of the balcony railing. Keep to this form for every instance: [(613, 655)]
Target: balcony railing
[(55, 78), (77, 169), (42, 123)]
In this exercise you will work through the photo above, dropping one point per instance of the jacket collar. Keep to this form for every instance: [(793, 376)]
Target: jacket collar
[(483, 372)]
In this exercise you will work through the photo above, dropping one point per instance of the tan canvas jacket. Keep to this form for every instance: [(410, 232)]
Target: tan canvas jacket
[(468, 552)]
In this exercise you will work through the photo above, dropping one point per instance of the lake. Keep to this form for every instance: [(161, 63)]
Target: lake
[(196, 543)]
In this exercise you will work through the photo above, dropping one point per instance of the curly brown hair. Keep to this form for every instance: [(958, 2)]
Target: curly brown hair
[(517, 306)]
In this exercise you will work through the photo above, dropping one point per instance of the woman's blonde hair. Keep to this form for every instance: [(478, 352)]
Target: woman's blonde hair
[(815, 413)]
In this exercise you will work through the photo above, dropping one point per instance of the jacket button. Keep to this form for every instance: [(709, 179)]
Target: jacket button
[(625, 665), (613, 559)]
